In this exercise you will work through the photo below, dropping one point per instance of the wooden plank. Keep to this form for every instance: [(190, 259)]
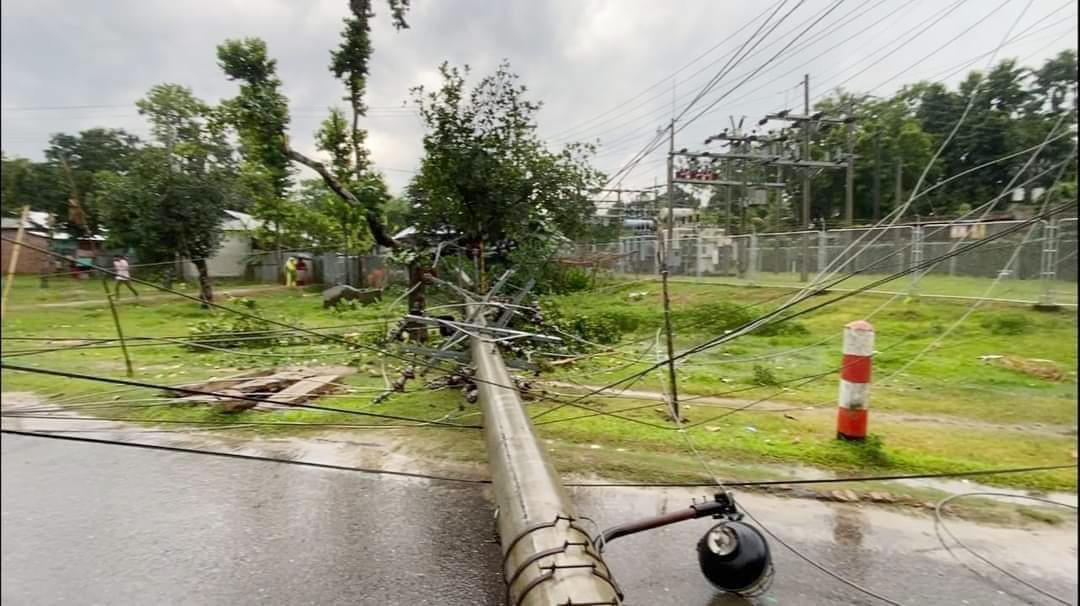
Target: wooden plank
[(304, 389)]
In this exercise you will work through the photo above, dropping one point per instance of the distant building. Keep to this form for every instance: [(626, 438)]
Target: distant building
[(30, 261), (237, 244)]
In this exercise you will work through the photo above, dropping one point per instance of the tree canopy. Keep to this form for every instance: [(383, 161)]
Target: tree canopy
[(486, 176), (171, 200)]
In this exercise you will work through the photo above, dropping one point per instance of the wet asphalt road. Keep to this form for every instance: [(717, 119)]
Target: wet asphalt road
[(97, 524)]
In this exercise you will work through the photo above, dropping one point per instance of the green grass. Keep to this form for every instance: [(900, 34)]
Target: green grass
[(950, 383), (27, 290), (932, 284)]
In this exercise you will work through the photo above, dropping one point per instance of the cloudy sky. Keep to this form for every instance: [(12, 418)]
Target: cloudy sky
[(606, 70)]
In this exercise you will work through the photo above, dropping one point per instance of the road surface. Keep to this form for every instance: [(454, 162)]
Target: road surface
[(100, 524)]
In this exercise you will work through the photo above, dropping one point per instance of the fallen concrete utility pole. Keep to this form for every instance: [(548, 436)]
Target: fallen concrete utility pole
[(548, 557)]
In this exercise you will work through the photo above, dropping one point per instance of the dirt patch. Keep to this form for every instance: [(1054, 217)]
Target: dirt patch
[(1042, 369)]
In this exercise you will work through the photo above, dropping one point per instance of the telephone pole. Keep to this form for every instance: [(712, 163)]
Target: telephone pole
[(849, 185), (664, 274), (804, 266), (670, 196), (877, 177), (899, 182)]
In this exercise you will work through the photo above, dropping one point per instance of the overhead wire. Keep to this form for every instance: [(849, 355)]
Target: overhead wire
[(417, 361), (939, 526), (765, 319), (572, 484), (203, 392)]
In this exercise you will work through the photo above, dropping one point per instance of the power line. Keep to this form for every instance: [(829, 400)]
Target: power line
[(361, 345), (438, 478), (236, 455), (202, 392), (650, 114), (939, 525), (846, 480), (622, 106), (753, 324)]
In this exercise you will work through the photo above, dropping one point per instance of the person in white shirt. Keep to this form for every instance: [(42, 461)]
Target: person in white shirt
[(123, 274)]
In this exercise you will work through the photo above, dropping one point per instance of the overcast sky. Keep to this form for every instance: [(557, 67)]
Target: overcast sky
[(69, 65)]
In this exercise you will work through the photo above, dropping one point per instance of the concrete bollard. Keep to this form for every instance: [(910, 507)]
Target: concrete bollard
[(851, 413)]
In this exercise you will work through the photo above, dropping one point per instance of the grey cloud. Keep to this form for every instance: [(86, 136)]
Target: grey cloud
[(581, 58)]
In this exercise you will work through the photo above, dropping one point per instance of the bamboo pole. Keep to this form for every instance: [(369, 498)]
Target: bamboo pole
[(14, 261)]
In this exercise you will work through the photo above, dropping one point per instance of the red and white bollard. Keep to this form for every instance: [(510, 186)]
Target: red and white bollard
[(851, 414)]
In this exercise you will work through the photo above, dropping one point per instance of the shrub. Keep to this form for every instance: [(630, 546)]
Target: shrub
[(763, 375), (1007, 324), (233, 331), (719, 317), (569, 279)]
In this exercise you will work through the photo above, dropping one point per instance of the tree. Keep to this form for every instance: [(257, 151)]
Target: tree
[(487, 178), (15, 173), (171, 201), (74, 161), (260, 110)]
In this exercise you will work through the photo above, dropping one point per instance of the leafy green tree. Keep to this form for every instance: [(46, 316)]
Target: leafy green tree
[(260, 112), (171, 200), (74, 161), (487, 177)]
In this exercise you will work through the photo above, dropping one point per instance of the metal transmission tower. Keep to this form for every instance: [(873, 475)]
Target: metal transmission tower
[(745, 166), (807, 125)]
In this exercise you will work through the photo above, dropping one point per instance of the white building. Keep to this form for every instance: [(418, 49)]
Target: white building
[(230, 260)]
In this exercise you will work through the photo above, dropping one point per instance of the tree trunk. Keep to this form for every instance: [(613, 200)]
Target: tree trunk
[(417, 301), (206, 290)]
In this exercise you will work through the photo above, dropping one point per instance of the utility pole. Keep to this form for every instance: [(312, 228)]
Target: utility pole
[(546, 553), (727, 205), (804, 266), (849, 186), (664, 274), (877, 177), (899, 181), (670, 196)]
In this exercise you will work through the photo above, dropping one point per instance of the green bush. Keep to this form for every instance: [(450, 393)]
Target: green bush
[(720, 317), (763, 375), (234, 331), (564, 280), (1007, 324), (603, 328)]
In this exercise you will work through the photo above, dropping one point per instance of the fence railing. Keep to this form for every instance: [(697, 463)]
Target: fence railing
[(1036, 263)]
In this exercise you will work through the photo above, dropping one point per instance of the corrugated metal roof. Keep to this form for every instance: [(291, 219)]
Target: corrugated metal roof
[(238, 221)]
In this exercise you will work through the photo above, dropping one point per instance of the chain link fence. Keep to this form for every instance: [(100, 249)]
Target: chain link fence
[(1036, 264)]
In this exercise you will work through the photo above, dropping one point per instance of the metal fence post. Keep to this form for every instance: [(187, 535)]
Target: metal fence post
[(698, 249), (916, 256), (1048, 270), (822, 250), (754, 266)]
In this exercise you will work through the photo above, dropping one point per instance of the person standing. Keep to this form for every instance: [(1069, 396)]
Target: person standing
[(290, 272), (123, 274)]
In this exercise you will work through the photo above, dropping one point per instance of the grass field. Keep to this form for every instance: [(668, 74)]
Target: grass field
[(932, 285), (948, 410)]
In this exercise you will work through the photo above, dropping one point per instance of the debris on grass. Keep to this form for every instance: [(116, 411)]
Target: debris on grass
[(1034, 367), (277, 387)]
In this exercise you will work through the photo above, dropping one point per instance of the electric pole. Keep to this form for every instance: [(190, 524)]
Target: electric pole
[(877, 177), (849, 185), (667, 267), (899, 181), (804, 266)]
